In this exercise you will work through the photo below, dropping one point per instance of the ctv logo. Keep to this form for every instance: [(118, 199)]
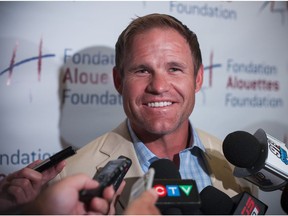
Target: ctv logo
[(250, 208), (172, 190)]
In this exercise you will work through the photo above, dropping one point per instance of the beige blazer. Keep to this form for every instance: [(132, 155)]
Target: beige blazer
[(118, 142)]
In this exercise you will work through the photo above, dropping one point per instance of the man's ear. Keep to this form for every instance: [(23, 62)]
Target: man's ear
[(199, 79), (117, 80)]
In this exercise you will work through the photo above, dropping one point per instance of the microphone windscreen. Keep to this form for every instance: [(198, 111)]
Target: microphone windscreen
[(241, 149), (215, 202), (165, 169)]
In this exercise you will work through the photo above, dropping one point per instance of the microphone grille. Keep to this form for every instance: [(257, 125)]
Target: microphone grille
[(165, 169), (241, 149), (214, 201)]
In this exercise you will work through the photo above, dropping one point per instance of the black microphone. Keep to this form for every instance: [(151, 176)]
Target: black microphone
[(216, 202), (165, 169), (176, 196), (259, 158), (284, 199)]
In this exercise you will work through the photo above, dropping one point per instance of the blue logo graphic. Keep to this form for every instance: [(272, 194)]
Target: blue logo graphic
[(173, 190)]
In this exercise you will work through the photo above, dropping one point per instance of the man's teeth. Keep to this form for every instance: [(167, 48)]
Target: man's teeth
[(159, 104)]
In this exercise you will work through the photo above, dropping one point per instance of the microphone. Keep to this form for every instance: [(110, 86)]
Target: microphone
[(246, 204), (216, 202), (165, 169), (176, 196), (284, 199), (259, 158)]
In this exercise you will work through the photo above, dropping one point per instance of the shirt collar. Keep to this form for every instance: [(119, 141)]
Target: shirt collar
[(146, 157), (195, 142)]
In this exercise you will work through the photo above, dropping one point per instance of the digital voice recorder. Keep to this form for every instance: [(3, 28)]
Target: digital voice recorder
[(111, 174)]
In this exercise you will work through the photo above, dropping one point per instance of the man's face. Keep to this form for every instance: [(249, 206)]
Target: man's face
[(158, 86)]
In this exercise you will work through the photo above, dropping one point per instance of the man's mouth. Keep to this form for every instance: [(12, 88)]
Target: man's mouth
[(160, 104)]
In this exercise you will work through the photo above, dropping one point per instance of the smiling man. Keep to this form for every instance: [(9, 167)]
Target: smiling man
[(158, 71)]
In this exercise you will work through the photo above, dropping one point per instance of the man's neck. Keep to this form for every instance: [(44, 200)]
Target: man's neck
[(168, 145)]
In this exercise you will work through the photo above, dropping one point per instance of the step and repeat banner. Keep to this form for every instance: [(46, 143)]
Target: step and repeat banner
[(56, 60)]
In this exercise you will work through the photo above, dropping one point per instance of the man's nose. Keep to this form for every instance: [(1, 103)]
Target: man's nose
[(159, 83)]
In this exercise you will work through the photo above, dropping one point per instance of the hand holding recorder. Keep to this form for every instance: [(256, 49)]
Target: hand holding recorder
[(63, 198), (24, 185)]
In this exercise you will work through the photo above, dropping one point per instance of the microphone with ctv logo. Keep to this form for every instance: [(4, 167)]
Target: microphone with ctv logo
[(259, 158), (215, 202), (176, 196)]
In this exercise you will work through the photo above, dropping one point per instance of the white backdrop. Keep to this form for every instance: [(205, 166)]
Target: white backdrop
[(56, 86)]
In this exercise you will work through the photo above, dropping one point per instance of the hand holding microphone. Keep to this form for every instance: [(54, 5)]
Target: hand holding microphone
[(25, 184), (63, 198)]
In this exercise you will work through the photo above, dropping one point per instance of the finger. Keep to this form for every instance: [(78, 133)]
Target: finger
[(17, 194), (25, 173), (99, 206), (52, 172), (121, 187), (25, 178), (23, 189), (153, 195), (59, 167), (33, 164), (144, 204), (115, 198), (109, 193), (23, 183), (79, 182)]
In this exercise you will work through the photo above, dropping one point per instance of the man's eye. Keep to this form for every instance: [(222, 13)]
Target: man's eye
[(141, 71), (174, 69)]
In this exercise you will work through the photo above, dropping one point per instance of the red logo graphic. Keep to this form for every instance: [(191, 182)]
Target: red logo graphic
[(250, 208)]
